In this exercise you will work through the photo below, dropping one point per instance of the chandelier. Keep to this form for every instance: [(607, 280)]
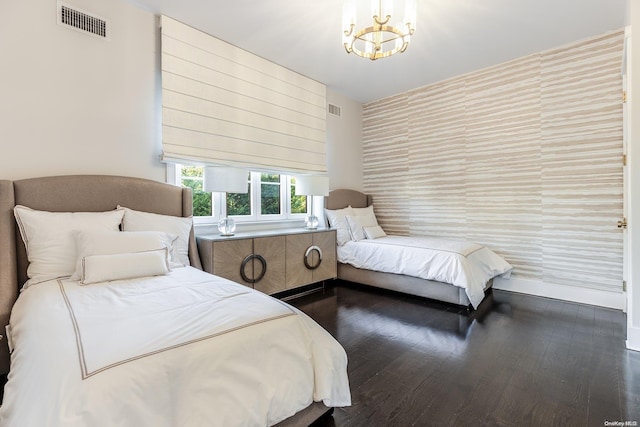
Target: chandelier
[(381, 39)]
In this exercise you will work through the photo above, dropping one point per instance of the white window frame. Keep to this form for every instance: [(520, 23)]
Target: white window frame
[(219, 205)]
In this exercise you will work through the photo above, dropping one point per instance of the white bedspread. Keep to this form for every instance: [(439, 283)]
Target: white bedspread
[(464, 264), (186, 349)]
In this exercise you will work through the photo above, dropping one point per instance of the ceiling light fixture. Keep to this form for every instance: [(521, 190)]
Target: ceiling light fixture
[(381, 39)]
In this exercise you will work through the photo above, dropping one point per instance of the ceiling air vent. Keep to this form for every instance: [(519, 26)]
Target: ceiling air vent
[(79, 20), (334, 110)]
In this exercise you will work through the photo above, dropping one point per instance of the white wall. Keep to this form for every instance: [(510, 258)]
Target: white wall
[(344, 148), (71, 103)]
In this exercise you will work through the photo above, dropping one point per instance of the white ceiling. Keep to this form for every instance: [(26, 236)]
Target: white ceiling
[(452, 36)]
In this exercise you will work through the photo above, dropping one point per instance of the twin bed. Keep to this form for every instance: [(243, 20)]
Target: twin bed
[(456, 272), (123, 328)]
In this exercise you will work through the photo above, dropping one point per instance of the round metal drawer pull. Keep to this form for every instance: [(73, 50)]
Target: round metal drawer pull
[(244, 265), (306, 257)]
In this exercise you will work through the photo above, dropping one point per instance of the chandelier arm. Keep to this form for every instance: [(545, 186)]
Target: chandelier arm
[(350, 30), (378, 21)]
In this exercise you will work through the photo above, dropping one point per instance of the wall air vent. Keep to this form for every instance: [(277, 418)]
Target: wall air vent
[(334, 110), (79, 20)]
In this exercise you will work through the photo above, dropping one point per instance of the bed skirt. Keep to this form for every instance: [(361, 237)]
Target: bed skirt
[(439, 291)]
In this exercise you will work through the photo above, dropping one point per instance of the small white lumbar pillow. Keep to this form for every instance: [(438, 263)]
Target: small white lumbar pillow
[(106, 268), (374, 232), (337, 220), (180, 226), (90, 243), (50, 242)]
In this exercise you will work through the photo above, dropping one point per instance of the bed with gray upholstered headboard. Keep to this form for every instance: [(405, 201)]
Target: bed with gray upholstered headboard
[(86, 193), (99, 193), (441, 291)]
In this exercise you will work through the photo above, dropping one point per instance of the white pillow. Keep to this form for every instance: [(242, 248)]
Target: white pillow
[(368, 215), (146, 221), (50, 242), (104, 268), (374, 232), (90, 243), (337, 220), (355, 228)]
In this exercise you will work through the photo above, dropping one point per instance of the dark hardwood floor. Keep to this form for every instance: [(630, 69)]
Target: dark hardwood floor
[(518, 360)]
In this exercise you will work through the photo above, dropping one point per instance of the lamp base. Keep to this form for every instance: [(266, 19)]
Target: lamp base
[(311, 222), (227, 227)]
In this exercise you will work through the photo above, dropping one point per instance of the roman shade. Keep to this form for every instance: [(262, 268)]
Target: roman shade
[(222, 105)]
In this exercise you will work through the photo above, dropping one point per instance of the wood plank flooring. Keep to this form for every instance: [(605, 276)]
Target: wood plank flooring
[(518, 360)]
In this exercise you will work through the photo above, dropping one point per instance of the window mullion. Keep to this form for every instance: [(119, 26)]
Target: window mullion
[(256, 191), (285, 192)]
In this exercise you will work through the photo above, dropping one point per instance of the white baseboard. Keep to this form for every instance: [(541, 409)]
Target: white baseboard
[(633, 338), (562, 292)]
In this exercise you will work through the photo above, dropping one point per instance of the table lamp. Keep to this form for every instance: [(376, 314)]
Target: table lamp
[(312, 185), (225, 179)]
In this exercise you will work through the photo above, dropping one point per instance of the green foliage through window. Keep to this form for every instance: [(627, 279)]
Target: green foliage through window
[(272, 200), (238, 204), (270, 194), (192, 178), (298, 203)]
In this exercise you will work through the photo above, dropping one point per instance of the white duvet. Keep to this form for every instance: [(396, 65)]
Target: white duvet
[(464, 264), (185, 349)]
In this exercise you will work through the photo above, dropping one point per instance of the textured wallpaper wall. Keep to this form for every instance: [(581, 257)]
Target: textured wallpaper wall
[(524, 157)]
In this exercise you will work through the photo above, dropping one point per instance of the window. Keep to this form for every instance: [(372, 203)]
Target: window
[(271, 196), (191, 176)]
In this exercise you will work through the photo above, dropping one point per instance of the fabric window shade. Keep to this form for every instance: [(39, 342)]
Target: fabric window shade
[(222, 105)]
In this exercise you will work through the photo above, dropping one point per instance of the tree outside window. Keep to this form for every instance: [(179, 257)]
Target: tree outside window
[(298, 203), (192, 177), (240, 203)]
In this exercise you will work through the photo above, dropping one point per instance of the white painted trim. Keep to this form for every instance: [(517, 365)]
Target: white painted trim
[(562, 292), (633, 338)]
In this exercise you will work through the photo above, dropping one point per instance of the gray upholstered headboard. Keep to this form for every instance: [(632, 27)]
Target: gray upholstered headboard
[(338, 199), (74, 193)]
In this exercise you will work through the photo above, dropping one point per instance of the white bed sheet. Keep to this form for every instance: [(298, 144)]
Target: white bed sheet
[(185, 349), (464, 264)]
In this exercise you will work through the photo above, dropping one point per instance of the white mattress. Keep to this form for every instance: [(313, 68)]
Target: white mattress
[(187, 349), (464, 264)]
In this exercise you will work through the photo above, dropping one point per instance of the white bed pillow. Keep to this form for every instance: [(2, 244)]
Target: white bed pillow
[(355, 228), (338, 221), (50, 242), (180, 226), (374, 232), (105, 268), (361, 218), (89, 243), (366, 216)]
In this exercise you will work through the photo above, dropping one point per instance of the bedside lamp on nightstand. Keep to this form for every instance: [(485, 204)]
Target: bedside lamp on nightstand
[(226, 180), (312, 185)]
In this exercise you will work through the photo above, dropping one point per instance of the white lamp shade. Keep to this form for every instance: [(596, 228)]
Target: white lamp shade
[(225, 179), (312, 185)]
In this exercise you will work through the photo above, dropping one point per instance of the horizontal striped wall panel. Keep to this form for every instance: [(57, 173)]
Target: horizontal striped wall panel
[(224, 105), (437, 161), (503, 170), (523, 157), (581, 158), (385, 162)]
